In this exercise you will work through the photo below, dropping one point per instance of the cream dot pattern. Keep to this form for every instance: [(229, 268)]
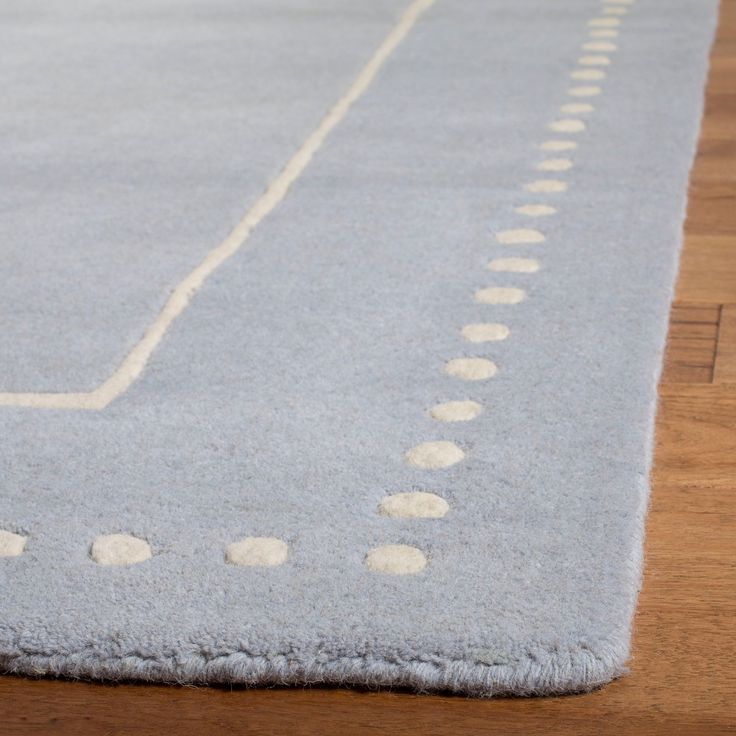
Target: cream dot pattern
[(514, 265), (500, 295), (555, 164), (456, 411), (413, 505), (535, 210), (485, 331), (120, 549), (11, 544), (480, 368), (396, 559), (257, 552), (434, 455), (471, 369), (402, 559), (519, 236)]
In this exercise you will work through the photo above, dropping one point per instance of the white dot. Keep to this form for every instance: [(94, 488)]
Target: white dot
[(584, 91), (567, 125), (576, 108), (471, 369), (615, 11), (535, 210), (604, 33), (413, 505), (120, 549), (485, 331), (545, 185), (434, 455), (599, 46), (456, 411), (594, 60), (257, 552), (604, 22), (522, 235), (588, 74), (396, 559), (11, 544), (555, 164), (500, 295), (514, 265), (558, 145)]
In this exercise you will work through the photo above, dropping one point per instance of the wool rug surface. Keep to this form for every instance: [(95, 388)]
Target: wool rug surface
[(331, 333)]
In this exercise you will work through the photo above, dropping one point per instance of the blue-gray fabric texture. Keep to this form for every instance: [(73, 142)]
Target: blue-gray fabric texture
[(282, 401)]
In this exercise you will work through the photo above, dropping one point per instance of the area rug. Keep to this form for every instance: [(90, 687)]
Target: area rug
[(331, 333)]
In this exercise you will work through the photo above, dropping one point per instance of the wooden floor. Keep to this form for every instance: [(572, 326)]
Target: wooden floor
[(683, 677)]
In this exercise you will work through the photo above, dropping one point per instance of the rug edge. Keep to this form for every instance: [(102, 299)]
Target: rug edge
[(577, 669)]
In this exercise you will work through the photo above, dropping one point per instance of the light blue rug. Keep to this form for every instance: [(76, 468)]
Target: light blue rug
[(331, 333)]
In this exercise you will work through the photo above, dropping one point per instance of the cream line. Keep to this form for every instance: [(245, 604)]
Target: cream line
[(134, 363)]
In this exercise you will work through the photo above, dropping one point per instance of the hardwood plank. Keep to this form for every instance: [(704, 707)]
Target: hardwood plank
[(707, 268), (691, 344), (699, 314), (724, 369)]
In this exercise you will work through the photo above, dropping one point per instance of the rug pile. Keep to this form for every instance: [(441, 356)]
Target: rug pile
[(331, 334)]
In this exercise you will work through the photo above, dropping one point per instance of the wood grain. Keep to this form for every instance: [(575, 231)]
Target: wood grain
[(683, 678), (691, 344), (724, 366)]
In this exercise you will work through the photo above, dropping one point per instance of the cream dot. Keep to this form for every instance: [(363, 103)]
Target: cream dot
[(555, 164), (615, 11), (11, 544), (257, 552), (604, 33), (396, 559), (456, 411), (558, 145), (471, 369), (576, 108), (413, 505), (584, 91), (545, 185), (119, 549), (588, 74), (567, 125), (500, 295), (521, 235), (599, 46), (594, 60), (434, 455), (485, 331), (535, 210), (604, 22), (514, 265)]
